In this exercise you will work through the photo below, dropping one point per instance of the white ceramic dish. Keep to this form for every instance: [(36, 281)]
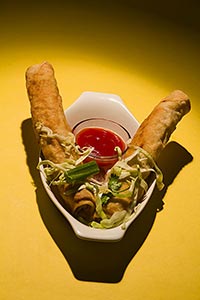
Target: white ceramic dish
[(109, 106)]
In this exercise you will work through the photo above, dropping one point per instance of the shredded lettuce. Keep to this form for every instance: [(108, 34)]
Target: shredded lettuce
[(74, 154), (133, 171), (118, 218)]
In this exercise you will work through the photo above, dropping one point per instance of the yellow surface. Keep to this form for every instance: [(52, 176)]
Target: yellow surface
[(141, 57)]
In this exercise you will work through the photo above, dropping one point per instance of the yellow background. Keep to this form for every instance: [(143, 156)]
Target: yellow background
[(141, 54)]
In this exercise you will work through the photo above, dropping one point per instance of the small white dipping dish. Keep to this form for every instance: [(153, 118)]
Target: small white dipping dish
[(108, 106)]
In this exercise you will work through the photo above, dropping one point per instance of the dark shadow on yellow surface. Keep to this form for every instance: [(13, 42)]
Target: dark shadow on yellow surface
[(97, 261)]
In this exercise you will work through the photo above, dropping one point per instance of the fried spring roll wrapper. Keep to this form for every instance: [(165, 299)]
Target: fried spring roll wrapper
[(47, 109), (117, 204), (155, 131), (82, 204)]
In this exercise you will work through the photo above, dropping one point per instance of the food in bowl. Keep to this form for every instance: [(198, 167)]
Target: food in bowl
[(101, 199)]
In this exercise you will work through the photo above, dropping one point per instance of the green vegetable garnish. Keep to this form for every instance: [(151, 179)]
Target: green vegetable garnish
[(113, 183), (105, 198), (81, 172), (58, 174)]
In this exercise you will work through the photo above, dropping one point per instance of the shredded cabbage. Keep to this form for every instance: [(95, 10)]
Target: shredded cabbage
[(134, 171), (74, 154), (116, 219)]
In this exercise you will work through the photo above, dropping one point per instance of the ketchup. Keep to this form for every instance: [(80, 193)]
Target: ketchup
[(104, 142)]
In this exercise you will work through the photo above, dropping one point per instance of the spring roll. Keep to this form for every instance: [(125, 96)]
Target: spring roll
[(81, 205), (47, 112), (155, 131), (152, 136), (46, 109)]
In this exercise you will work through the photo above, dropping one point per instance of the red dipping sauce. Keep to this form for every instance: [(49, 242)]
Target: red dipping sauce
[(104, 142)]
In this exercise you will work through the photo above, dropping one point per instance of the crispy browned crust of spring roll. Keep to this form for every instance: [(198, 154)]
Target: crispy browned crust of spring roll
[(47, 109), (81, 205), (155, 131)]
